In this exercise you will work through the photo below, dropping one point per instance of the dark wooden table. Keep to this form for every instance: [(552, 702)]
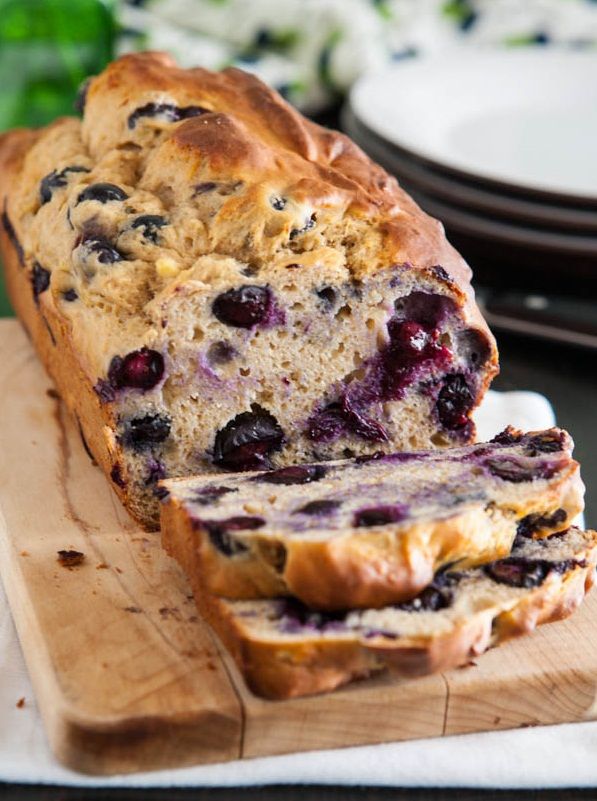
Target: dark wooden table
[(567, 376)]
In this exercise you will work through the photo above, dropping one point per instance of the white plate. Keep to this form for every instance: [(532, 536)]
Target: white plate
[(526, 118), (498, 232), (473, 196)]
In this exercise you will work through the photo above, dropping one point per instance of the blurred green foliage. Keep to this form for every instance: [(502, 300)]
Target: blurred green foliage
[(47, 48)]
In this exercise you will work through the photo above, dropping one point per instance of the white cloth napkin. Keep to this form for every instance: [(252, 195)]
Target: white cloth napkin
[(555, 756)]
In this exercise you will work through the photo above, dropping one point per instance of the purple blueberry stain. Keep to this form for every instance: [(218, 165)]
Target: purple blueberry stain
[(207, 496), (220, 352), (427, 309), (344, 417), (414, 347), (167, 112), (247, 441), (441, 273)]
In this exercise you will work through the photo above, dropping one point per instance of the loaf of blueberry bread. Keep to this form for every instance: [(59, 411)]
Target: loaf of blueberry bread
[(216, 283), (284, 649), (374, 530)]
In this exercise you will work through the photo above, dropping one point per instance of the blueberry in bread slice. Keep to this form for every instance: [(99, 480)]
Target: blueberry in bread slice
[(285, 650), (216, 283), (369, 531)]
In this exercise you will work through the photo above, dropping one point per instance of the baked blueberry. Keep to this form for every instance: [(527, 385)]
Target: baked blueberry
[(344, 417), (516, 471), (509, 436), (535, 522), (316, 508), (243, 307), (516, 571), (438, 595), (166, 112), (306, 227), (454, 402), (56, 180), (247, 441), (101, 248), (70, 295), (546, 442), (295, 474), (150, 225), (328, 296), (102, 193), (140, 369), (295, 617), (143, 433), (278, 203), (40, 280), (380, 515), (156, 471), (209, 495), (220, 536)]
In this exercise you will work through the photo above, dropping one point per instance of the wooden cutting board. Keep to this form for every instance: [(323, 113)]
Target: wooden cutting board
[(127, 677)]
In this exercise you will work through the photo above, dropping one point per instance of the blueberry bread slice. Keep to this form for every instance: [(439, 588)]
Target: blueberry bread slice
[(374, 530), (216, 283), (285, 650)]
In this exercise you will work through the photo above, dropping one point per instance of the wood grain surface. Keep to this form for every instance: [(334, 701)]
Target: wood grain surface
[(128, 678)]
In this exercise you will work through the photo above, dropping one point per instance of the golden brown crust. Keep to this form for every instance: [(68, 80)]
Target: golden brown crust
[(49, 331), (366, 569), (308, 667), (257, 134)]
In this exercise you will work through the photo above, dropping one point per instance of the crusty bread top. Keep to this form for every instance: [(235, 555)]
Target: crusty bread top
[(253, 136), (254, 147), (256, 136)]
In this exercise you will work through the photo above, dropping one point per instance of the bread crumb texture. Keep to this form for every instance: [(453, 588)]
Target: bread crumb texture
[(244, 289)]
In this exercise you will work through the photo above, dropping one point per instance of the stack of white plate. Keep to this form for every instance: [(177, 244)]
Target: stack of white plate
[(502, 147)]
